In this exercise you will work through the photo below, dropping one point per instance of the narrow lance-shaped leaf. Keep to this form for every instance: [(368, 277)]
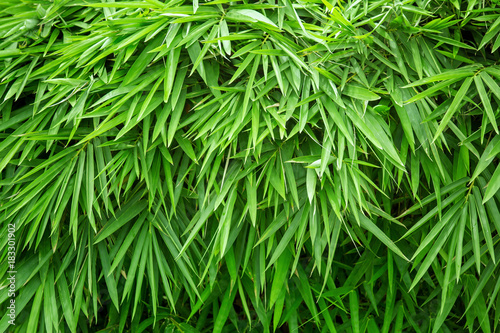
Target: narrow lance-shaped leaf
[(453, 107)]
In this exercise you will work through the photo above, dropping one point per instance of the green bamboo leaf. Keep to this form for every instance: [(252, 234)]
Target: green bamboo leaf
[(453, 107), (450, 302), (62, 288), (360, 93), (354, 307), (461, 230), (225, 308), (485, 223), (128, 212), (493, 185), (178, 108), (486, 101), (311, 184), (495, 89), (248, 15), (204, 50), (171, 68), (35, 309), (226, 217), (435, 88), (278, 221), (436, 230), (475, 233), (450, 41), (224, 32), (280, 276), (483, 280), (449, 75), (434, 250), (371, 227), (486, 158), (140, 245), (187, 147), (251, 190), (492, 32), (110, 280), (249, 58), (300, 219)]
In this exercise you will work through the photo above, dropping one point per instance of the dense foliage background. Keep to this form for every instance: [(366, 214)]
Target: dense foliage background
[(251, 166)]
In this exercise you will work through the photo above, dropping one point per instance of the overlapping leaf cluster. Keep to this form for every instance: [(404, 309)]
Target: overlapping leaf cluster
[(251, 166)]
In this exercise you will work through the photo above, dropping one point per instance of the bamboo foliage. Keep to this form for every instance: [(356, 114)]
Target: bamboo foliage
[(227, 166)]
